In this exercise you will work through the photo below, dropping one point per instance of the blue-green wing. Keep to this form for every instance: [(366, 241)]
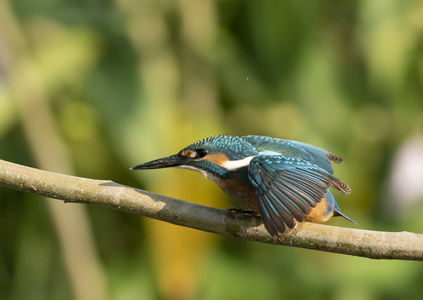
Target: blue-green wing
[(287, 188), (314, 155)]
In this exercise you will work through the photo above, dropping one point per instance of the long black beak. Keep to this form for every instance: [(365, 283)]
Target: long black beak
[(165, 162)]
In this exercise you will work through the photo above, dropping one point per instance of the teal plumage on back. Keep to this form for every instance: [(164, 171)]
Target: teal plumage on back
[(284, 181), (316, 155)]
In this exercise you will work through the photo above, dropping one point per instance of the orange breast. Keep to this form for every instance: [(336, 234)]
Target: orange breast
[(318, 213), (240, 191)]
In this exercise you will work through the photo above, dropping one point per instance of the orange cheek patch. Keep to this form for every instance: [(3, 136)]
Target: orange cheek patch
[(218, 159)]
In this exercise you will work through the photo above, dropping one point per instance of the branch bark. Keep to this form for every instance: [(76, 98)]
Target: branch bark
[(71, 189)]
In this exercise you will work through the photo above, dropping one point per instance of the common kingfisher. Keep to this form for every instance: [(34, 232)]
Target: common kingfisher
[(282, 180)]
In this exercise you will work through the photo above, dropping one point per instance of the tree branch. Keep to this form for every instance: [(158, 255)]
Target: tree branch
[(71, 189)]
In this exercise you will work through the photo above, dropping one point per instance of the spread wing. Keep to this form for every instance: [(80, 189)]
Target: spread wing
[(287, 188), (314, 155)]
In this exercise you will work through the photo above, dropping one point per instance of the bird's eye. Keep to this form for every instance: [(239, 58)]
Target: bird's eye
[(202, 152)]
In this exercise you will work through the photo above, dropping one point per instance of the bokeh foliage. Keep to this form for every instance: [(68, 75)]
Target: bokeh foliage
[(94, 87)]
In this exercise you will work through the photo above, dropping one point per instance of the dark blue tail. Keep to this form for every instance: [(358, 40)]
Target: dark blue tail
[(336, 211)]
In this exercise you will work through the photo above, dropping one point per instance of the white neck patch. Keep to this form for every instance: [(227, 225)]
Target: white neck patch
[(229, 165), (236, 164)]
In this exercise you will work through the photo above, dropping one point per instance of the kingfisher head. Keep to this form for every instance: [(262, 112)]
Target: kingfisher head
[(217, 155)]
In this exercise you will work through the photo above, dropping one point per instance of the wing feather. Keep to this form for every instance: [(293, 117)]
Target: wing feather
[(287, 188)]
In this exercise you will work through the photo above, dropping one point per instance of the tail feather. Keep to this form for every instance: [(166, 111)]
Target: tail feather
[(337, 212)]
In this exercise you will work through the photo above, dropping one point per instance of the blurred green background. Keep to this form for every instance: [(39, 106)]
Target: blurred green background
[(92, 88)]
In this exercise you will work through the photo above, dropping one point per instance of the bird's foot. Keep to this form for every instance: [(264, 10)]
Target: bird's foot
[(237, 210)]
